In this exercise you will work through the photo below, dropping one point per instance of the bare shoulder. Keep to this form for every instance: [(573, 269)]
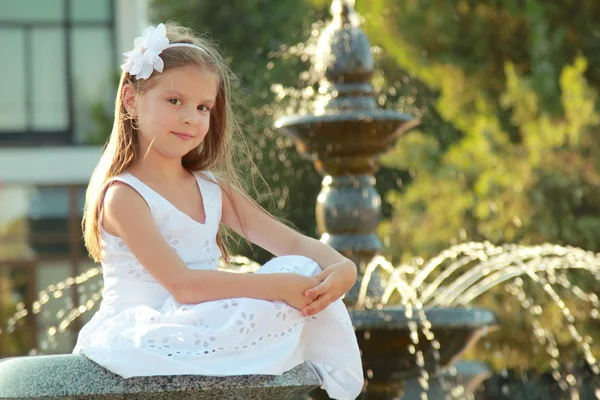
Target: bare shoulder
[(222, 182), (233, 197), (123, 205), (120, 198)]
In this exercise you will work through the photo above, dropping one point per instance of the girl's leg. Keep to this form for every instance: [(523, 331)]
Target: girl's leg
[(291, 264)]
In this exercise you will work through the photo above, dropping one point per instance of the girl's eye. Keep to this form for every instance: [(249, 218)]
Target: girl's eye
[(175, 102), (203, 108)]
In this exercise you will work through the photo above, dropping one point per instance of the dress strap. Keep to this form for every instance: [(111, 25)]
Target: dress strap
[(211, 192)]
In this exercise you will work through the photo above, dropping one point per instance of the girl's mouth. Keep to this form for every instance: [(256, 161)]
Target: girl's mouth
[(182, 136)]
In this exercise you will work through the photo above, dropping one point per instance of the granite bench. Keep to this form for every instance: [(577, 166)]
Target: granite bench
[(71, 376)]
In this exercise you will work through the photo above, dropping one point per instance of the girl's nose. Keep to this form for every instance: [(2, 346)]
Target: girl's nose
[(190, 117)]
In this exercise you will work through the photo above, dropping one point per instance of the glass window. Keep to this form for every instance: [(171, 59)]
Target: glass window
[(49, 220), (14, 208), (49, 202), (86, 10), (92, 70), (12, 81), (32, 10), (39, 99), (49, 88)]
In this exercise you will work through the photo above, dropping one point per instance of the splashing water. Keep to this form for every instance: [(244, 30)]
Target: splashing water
[(461, 274)]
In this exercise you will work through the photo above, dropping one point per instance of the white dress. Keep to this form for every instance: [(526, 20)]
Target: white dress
[(140, 330)]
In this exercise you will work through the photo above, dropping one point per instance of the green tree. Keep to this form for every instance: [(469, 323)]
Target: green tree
[(497, 85), (486, 187)]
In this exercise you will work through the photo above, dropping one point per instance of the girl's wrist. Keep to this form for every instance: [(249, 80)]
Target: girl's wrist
[(280, 286)]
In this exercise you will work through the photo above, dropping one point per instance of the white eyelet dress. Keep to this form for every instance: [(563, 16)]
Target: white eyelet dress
[(140, 330)]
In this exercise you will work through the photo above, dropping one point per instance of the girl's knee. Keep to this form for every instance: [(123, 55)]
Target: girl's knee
[(291, 264)]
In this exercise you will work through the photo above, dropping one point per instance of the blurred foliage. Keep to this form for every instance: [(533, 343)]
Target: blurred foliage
[(545, 188), (15, 343), (102, 114), (516, 83)]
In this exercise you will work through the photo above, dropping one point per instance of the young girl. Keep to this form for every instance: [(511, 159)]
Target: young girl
[(152, 217)]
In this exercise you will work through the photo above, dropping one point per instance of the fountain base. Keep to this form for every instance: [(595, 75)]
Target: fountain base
[(389, 346), (463, 380)]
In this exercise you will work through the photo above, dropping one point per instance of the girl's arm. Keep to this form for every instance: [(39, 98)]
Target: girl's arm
[(127, 215), (264, 230), (257, 226)]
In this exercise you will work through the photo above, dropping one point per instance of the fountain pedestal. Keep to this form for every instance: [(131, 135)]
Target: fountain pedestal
[(76, 377), (343, 135)]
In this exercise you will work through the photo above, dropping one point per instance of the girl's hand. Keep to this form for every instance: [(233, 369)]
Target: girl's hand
[(293, 287), (335, 281)]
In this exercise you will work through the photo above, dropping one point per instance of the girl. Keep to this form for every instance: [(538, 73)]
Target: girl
[(152, 217)]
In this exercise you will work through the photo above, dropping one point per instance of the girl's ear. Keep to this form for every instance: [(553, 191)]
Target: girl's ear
[(129, 97)]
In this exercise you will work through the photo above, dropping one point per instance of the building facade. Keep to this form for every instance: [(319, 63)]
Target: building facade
[(60, 65)]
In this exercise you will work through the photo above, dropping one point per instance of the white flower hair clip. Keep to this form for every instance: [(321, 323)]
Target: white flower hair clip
[(144, 59)]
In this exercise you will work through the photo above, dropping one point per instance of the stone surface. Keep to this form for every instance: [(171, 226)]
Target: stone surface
[(76, 377)]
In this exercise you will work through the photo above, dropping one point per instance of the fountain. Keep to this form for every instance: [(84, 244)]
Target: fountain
[(343, 134)]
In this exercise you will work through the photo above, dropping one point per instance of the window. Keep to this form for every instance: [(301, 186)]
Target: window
[(61, 62)]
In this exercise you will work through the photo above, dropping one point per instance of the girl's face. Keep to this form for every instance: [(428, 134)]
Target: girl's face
[(173, 116)]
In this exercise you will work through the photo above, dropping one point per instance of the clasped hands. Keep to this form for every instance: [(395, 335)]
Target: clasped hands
[(312, 294)]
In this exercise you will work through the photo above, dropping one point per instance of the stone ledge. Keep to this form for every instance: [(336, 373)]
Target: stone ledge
[(71, 376)]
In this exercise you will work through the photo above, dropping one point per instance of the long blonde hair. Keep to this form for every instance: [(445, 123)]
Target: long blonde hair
[(215, 153)]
